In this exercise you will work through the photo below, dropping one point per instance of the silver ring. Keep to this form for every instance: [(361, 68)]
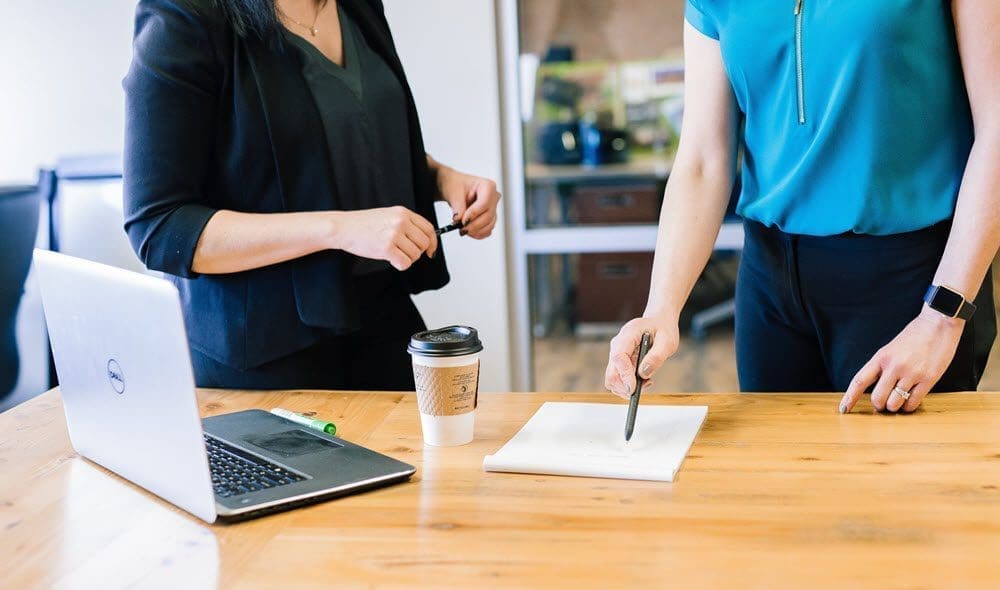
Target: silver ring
[(901, 392)]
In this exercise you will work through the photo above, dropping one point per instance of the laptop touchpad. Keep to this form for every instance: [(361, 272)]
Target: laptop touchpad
[(291, 443)]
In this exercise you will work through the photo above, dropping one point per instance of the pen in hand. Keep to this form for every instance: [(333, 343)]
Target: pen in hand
[(448, 228), (633, 402)]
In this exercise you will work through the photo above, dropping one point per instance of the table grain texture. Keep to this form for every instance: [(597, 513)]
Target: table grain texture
[(778, 491)]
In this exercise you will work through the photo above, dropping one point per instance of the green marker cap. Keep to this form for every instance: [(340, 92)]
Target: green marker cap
[(320, 425)]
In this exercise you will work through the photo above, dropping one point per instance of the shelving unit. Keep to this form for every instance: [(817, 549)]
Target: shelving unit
[(656, 168), (520, 178)]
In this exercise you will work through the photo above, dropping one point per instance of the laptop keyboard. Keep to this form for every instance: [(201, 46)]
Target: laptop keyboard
[(236, 472)]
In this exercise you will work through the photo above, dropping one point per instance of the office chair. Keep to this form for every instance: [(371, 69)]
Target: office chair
[(19, 211)]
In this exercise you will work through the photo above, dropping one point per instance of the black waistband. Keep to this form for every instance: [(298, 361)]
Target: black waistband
[(935, 234)]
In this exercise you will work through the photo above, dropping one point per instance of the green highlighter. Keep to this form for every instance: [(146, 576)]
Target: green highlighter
[(320, 425)]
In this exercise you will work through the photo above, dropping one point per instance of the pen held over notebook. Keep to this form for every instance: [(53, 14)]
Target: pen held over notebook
[(633, 402)]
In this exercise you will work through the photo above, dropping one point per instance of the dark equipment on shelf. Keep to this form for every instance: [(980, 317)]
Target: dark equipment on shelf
[(561, 93), (559, 144), (603, 144)]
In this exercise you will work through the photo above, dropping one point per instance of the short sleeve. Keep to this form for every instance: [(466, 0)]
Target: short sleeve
[(695, 14)]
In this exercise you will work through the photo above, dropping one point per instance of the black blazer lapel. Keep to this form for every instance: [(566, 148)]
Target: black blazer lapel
[(376, 32), (301, 155), (426, 273), (322, 281)]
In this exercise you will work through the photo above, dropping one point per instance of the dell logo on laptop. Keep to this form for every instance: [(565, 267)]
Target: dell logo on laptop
[(115, 376)]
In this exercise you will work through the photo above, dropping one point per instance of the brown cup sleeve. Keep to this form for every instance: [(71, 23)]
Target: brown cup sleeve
[(447, 391)]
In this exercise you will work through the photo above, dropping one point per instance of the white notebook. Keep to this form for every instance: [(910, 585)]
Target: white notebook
[(588, 440)]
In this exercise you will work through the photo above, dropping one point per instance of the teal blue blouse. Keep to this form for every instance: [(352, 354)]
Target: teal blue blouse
[(856, 113)]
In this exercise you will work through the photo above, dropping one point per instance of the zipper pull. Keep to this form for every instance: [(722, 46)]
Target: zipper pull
[(798, 7)]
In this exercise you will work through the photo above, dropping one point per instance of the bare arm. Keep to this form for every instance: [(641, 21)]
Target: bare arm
[(975, 232), (235, 242), (701, 181), (916, 359), (695, 201)]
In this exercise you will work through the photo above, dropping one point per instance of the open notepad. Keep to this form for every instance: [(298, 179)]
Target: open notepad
[(587, 440)]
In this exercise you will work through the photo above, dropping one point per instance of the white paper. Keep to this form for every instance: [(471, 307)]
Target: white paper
[(588, 440)]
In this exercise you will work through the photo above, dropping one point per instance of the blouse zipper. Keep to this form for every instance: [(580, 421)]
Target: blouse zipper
[(799, 67)]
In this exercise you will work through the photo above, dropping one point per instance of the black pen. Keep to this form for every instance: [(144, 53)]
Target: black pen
[(633, 402), (448, 228)]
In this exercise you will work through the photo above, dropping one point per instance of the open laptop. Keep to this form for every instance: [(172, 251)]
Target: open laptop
[(128, 390)]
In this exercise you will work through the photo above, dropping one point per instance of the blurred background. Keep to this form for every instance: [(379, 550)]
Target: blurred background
[(574, 106)]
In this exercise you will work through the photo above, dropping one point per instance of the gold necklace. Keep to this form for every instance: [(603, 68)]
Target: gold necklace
[(311, 28)]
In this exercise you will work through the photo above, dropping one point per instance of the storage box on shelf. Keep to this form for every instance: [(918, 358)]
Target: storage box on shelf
[(611, 289), (617, 203)]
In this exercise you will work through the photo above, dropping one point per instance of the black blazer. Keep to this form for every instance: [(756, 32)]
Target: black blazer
[(217, 121)]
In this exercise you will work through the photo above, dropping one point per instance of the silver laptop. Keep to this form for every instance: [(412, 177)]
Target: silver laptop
[(127, 386)]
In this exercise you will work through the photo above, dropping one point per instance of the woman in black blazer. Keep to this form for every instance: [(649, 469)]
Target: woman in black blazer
[(275, 170)]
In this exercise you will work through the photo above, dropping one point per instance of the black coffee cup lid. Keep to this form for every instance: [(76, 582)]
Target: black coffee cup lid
[(450, 341)]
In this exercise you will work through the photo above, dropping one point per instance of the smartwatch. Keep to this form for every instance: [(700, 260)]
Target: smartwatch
[(949, 302)]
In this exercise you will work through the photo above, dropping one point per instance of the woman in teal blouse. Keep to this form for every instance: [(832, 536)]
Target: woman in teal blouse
[(870, 193)]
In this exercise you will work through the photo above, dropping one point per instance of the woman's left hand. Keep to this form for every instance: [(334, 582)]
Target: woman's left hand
[(913, 362), (473, 200)]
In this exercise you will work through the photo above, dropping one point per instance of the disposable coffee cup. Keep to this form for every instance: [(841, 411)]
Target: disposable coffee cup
[(446, 372)]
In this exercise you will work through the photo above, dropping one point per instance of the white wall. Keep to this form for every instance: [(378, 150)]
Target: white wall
[(60, 80), (449, 50), (61, 94)]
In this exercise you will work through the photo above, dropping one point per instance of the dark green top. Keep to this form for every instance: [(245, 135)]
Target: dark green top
[(363, 109)]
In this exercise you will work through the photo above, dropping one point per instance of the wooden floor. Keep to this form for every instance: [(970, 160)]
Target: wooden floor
[(566, 363), (577, 364)]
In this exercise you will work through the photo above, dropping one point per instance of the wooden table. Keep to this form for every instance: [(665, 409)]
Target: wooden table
[(779, 491)]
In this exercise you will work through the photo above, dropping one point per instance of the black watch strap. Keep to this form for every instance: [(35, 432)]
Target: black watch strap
[(949, 302)]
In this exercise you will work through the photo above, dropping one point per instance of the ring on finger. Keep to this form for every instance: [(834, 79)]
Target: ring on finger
[(901, 392)]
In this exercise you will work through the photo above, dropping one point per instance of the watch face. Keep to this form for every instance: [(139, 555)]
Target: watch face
[(946, 301)]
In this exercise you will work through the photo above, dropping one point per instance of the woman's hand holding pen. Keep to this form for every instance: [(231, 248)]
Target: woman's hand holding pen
[(395, 234), (619, 377), (473, 200)]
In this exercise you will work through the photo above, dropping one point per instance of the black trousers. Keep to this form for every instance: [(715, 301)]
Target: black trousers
[(811, 311), (373, 359)]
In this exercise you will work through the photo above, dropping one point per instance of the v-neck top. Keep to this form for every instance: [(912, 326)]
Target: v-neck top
[(364, 112), (857, 117)]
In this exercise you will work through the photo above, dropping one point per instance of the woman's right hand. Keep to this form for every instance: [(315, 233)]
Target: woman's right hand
[(395, 234), (619, 377)]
